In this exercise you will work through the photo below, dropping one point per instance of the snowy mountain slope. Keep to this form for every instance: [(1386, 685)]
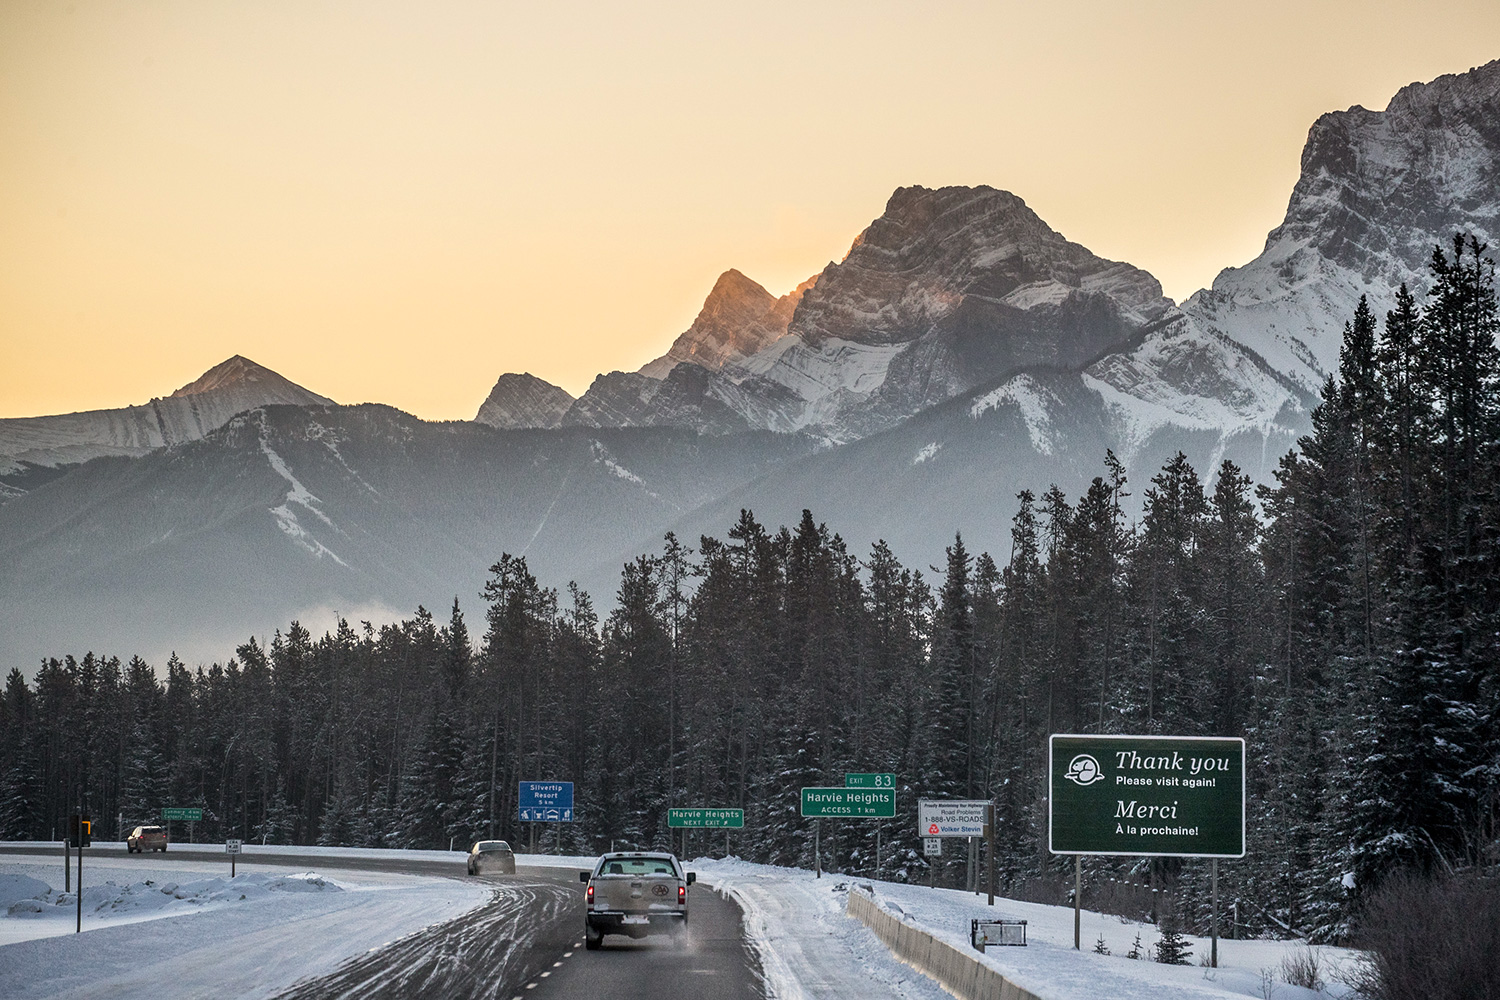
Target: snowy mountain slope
[(188, 414), (286, 511), (521, 401), (1378, 189)]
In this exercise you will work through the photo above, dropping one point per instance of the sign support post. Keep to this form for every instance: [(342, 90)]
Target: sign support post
[(818, 847), (1077, 900), (1213, 955), (989, 837), (877, 848), (67, 865)]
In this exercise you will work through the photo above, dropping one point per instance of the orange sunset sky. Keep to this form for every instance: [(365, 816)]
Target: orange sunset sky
[(399, 201)]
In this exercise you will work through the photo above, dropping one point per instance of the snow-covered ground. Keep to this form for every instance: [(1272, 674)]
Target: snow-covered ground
[(187, 930), (184, 929), (811, 948)]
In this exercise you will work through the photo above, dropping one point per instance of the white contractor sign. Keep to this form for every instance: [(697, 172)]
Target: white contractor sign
[(951, 817)]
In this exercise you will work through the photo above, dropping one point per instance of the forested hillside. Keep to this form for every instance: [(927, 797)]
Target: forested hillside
[(1344, 622)]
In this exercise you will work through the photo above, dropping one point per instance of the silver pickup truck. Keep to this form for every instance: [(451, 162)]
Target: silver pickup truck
[(635, 893)]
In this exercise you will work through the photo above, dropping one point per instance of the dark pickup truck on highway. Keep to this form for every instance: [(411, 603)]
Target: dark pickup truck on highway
[(635, 893)]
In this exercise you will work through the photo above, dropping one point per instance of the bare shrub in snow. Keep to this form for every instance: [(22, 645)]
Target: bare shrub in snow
[(1428, 938), (1302, 968)]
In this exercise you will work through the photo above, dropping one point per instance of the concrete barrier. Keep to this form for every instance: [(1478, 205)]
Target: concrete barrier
[(961, 974)]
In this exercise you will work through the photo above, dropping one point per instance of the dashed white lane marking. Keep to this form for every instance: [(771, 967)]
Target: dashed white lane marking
[(567, 954), (546, 974)]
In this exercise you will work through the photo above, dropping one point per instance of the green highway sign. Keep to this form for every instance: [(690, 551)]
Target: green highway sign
[(861, 780), (849, 803), (694, 819), (1177, 796), (181, 812)]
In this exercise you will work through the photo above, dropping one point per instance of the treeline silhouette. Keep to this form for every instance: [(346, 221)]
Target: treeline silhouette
[(1345, 624)]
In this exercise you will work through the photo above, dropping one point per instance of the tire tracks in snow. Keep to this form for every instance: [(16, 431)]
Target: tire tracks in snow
[(483, 953)]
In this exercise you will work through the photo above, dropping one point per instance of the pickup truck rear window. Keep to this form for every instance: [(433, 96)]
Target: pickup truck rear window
[(637, 867)]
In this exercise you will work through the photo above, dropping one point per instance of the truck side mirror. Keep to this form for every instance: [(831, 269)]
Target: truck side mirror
[(583, 876), (692, 877)]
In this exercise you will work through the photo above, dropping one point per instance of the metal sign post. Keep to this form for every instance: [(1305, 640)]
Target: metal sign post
[(1146, 796), (1213, 954), (1077, 901), (232, 848), (989, 839)]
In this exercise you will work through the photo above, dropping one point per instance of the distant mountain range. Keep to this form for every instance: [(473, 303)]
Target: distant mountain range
[(961, 351)]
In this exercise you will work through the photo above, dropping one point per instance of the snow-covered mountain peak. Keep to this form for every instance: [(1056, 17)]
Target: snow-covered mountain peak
[(738, 318), (1377, 190), (231, 387)]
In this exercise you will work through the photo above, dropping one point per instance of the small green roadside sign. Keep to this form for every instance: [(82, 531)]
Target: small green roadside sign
[(182, 812), (696, 819), (864, 780), (1176, 796), (849, 803)]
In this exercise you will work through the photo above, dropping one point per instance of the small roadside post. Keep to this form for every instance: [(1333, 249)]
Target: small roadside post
[(80, 835), (232, 848)]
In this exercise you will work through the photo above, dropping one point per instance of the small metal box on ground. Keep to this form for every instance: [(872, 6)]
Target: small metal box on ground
[(998, 932)]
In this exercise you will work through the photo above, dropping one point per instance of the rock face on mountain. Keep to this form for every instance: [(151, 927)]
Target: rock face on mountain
[(188, 414), (738, 318), (947, 290), (1378, 189), (520, 401)]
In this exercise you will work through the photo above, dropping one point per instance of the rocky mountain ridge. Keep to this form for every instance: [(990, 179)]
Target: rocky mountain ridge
[(960, 352), (31, 445)]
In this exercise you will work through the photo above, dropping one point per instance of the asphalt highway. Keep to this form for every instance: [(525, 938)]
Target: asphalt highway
[(526, 941)]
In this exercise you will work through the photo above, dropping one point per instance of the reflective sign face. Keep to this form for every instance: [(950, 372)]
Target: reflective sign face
[(1181, 796), (951, 817)]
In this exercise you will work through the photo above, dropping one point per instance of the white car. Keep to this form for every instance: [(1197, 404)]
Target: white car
[(491, 857)]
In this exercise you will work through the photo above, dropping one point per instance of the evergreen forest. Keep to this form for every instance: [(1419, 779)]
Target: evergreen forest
[(1343, 621)]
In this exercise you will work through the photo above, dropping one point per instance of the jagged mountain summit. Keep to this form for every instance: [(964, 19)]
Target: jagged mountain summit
[(1377, 190), (31, 445), (521, 401), (739, 318), (947, 290)]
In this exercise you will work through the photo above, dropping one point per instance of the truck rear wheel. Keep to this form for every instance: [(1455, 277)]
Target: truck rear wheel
[(592, 939)]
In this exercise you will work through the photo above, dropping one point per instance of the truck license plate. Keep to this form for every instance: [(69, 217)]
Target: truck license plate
[(629, 919)]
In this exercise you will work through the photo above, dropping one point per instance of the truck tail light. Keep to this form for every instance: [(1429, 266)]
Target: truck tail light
[(591, 893), (682, 895)]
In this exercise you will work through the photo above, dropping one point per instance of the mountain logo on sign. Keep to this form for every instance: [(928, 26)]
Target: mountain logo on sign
[(1084, 770)]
